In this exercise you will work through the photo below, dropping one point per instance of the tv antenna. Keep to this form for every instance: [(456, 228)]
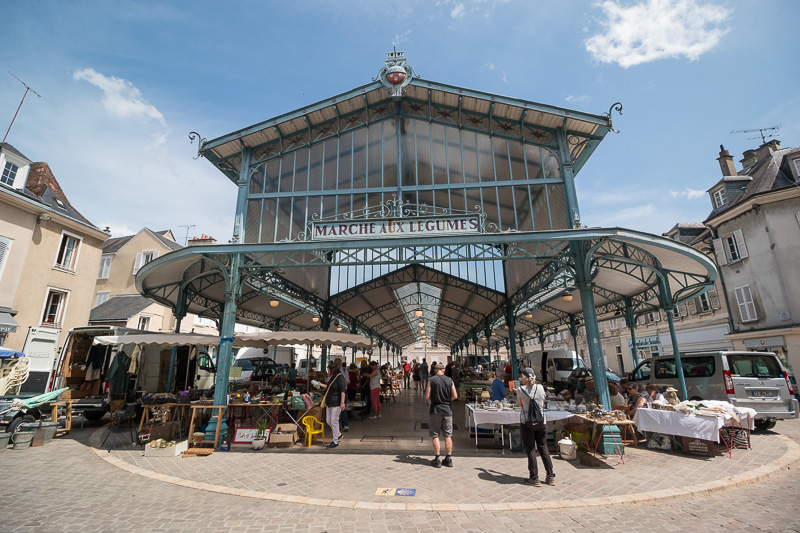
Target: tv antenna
[(776, 129), (188, 227), (27, 90)]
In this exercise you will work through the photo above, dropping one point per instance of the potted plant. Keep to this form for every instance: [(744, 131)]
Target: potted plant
[(260, 438)]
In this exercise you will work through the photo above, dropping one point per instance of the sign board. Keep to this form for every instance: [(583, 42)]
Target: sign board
[(383, 491), (246, 435), (236, 372), (396, 227)]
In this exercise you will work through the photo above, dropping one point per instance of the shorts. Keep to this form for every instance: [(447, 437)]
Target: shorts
[(440, 424)]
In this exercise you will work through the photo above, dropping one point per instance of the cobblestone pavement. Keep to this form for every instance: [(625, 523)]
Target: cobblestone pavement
[(64, 486)]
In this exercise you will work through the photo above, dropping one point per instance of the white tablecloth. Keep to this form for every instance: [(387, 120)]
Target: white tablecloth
[(674, 423), (505, 418), (482, 417)]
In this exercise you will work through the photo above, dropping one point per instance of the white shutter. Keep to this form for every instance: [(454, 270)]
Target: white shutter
[(740, 243), (155, 254), (5, 249), (138, 263), (744, 299), (719, 250)]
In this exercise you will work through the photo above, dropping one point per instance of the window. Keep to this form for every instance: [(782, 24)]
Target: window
[(105, 267), (719, 198), (54, 308), (5, 250), (642, 372), (67, 257), (620, 361), (705, 303), (744, 298), (676, 312), (653, 316), (613, 324), (730, 248), (101, 298), (144, 323), (9, 174), (142, 258)]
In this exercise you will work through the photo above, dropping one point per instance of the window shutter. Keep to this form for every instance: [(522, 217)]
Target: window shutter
[(138, 263), (713, 298), (155, 254), (719, 251), (740, 243), (5, 248), (691, 306)]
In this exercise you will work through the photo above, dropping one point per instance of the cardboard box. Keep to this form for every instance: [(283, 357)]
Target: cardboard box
[(172, 451), (285, 439)]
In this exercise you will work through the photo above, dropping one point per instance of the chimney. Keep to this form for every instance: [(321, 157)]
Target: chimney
[(726, 162), (749, 158), (40, 177), (767, 149), (204, 239), (107, 230)]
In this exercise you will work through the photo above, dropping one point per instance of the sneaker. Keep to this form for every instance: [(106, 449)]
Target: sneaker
[(379, 415), (332, 445), (340, 437), (531, 481), (436, 463), (448, 461), (373, 416), (550, 480), (346, 428)]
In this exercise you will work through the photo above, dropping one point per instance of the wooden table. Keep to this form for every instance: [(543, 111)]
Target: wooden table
[(68, 415), (219, 408), (595, 423), (168, 413)]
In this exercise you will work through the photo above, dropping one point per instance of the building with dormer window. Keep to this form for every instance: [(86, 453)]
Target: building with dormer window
[(755, 226), (49, 254)]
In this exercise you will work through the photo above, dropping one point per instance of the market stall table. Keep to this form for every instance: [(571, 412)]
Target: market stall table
[(484, 417), (691, 425), (601, 423)]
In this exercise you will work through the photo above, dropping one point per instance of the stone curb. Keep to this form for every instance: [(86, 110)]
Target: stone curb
[(785, 462)]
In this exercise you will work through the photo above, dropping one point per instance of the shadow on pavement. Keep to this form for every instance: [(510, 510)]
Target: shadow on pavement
[(498, 477)]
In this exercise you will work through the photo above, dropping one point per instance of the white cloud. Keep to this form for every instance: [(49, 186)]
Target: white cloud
[(120, 97), (656, 29), (458, 11), (490, 66), (572, 98), (505, 79), (688, 193), (402, 38)]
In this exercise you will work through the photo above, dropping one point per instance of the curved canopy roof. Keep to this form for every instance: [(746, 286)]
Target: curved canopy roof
[(627, 269)]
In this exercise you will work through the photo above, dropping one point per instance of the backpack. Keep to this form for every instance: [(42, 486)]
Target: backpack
[(534, 417)]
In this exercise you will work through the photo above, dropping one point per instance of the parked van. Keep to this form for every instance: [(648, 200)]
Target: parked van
[(554, 365), (83, 367), (756, 380)]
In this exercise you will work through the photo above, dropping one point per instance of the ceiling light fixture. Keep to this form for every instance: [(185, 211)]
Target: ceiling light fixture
[(567, 297), (528, 315), (421, 324), (274, 302), (315, 319), (418, 312)]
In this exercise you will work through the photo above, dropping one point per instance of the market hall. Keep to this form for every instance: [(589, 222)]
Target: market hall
[(405, 202)]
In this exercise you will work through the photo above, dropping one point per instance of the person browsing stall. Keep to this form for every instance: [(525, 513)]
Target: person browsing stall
[(440, 392), (498, 389), (534, 438), (374, 376), (334, 399)]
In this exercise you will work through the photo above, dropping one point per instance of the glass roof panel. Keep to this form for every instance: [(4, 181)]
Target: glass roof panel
[(424, 300)]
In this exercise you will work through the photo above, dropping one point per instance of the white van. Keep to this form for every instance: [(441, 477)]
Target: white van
[(756, 380), (554, 365)]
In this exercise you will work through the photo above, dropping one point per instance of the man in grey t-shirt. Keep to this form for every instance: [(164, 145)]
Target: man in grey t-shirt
[(440, 391)]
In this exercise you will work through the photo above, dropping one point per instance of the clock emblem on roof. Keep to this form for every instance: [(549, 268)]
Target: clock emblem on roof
[(396, 74)]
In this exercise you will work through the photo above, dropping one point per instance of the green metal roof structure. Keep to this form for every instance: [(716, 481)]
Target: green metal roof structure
[(407, 201)]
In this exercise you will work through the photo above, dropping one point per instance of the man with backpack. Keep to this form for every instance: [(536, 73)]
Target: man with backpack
[(534, 430)]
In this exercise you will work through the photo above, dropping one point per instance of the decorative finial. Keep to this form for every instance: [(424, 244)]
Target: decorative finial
[(396, 75)]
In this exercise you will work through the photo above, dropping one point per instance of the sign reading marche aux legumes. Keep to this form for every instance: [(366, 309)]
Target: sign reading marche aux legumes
[(413, 227)]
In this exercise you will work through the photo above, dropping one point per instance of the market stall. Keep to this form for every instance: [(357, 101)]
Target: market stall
[(700, 420)]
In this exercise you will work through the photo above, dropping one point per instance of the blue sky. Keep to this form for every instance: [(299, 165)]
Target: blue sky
[(123, 83)]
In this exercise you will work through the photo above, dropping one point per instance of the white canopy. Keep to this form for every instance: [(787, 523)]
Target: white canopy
[(159, 339), (316, 338)]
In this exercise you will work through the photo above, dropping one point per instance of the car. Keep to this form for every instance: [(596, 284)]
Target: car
[(578, 376)]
